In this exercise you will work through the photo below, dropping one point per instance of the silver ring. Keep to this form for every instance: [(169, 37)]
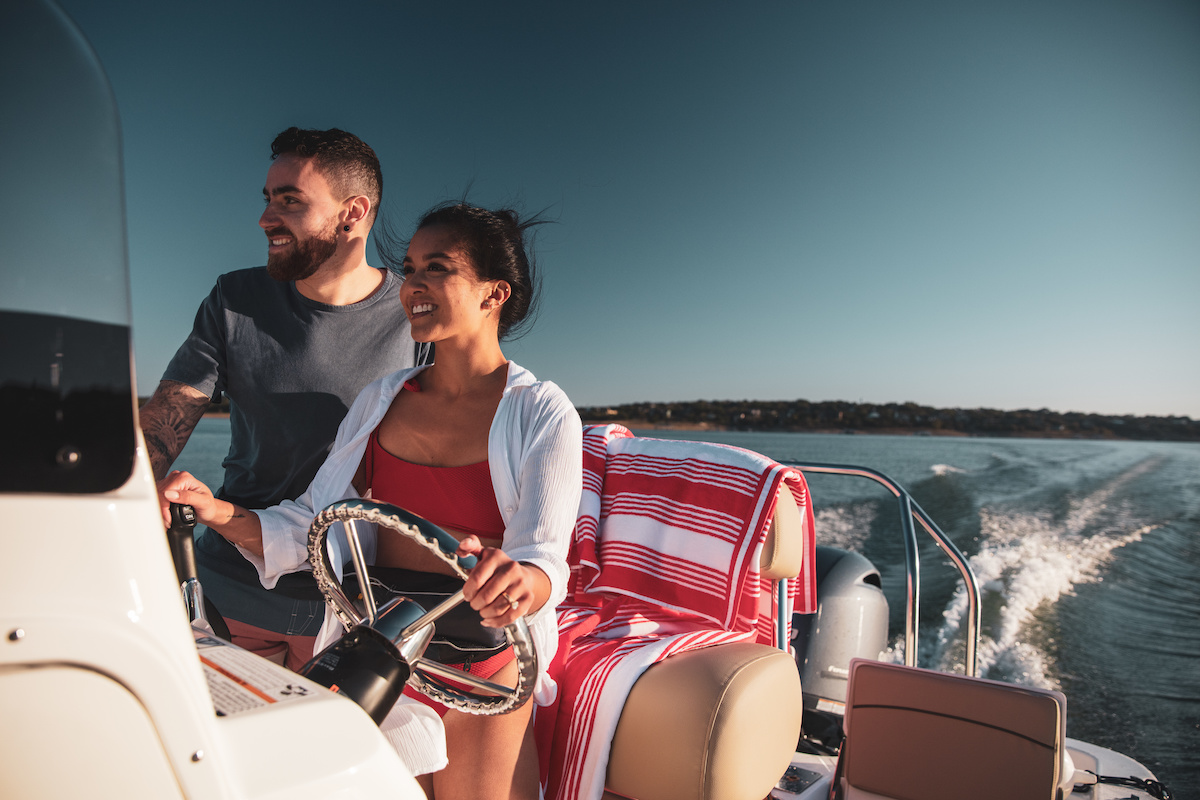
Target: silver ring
[(511, 603)]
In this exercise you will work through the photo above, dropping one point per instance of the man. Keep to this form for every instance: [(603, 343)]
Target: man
[(291, 344)]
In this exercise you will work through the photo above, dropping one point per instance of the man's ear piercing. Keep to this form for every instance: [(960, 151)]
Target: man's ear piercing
[(346, 228)]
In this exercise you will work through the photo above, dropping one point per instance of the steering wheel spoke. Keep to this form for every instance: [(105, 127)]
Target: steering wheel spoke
[(427, 676), (436, 669)]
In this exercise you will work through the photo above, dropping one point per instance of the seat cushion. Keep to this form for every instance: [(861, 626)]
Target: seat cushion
[(721, 722)]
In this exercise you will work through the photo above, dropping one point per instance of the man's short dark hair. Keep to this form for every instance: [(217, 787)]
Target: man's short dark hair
[(346, 161)]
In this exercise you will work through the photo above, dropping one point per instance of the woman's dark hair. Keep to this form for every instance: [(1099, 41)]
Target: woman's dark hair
[(497, 246)]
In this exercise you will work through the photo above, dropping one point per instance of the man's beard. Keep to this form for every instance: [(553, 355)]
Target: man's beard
[(303, 259)]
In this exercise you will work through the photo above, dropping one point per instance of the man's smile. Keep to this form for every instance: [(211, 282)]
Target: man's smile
[(278, 237)]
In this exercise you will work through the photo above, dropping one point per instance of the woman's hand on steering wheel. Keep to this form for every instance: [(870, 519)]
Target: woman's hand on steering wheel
[(500, 589)]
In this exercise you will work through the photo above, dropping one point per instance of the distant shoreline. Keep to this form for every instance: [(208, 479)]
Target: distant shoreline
[(891, 419), (880, 419), (660, 425), (644, 425)]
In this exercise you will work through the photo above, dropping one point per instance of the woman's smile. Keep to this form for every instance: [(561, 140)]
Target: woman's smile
[(437, 267)]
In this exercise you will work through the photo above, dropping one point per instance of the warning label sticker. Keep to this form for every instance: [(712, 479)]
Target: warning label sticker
[(240, 681), (831, 706)]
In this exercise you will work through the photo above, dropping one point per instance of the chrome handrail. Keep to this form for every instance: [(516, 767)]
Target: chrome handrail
[(910, 510)]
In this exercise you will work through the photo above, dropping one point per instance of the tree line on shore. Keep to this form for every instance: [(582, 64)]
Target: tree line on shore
[(841, 416)]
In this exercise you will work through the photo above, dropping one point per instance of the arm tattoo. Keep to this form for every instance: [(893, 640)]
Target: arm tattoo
[(167, 421)]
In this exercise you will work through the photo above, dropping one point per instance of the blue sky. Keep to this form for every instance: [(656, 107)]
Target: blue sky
[(955, 204)]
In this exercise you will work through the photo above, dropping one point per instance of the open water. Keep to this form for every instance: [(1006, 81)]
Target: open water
[(1087, 554)]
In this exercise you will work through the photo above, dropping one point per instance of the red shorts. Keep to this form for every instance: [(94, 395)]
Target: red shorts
[(483, 669), (291, 651)]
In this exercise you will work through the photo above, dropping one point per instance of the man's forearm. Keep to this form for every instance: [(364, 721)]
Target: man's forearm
[(167, 421)]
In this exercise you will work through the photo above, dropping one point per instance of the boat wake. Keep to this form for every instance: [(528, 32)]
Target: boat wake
[(1026, 563), (845, 527)]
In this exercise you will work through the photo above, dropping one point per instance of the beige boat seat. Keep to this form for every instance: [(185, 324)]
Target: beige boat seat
[(721, 722), (916, 734)]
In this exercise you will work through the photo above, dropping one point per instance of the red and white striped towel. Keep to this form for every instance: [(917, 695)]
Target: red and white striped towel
[(665, 559)]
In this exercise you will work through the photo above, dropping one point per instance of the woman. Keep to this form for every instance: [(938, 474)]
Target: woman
[(470, 419)]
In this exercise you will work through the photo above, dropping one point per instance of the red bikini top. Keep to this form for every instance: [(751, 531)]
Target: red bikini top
[(458, 498)]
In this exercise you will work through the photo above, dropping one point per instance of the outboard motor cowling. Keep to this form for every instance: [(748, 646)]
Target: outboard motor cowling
[(851, 622)]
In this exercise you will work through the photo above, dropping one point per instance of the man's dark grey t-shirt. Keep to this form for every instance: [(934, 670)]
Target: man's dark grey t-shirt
[(291, 367)]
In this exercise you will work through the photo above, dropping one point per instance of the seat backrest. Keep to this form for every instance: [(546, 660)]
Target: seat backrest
[(783, 550), (916, 734)]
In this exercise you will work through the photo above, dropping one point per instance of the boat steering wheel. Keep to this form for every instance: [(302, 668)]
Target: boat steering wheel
[(406, 626)]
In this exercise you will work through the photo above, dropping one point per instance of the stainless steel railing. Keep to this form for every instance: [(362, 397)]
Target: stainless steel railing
[(909, 511)]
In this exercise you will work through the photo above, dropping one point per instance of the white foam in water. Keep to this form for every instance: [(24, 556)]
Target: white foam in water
[(944, 469), (845, 527), (1031, 559)]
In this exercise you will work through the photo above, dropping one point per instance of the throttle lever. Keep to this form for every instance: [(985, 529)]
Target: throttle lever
[(183, 550), (183, 553)]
